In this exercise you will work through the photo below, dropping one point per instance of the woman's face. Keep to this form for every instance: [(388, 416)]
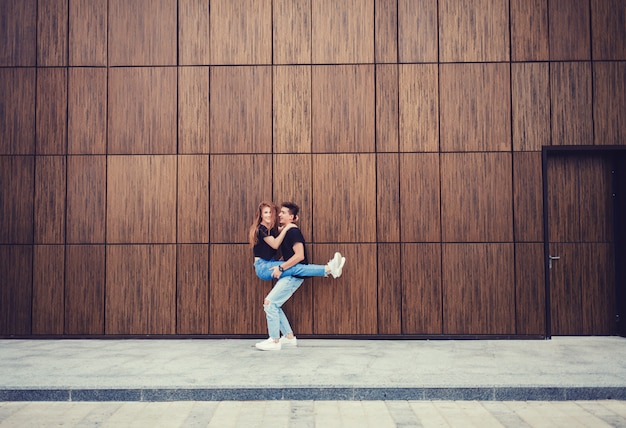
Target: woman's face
[(267, 215)]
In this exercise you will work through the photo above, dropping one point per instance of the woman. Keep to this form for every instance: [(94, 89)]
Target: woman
[(265, 245)]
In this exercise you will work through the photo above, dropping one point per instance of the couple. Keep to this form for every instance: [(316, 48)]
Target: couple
[(290, 271)]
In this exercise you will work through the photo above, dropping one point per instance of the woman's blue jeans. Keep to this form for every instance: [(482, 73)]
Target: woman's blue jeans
[(263, 269), (276, 319)]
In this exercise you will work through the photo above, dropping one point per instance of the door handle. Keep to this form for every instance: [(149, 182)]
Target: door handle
[(550, 258)]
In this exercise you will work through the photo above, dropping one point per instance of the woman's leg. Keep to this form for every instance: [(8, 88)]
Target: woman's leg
[(263, 269)]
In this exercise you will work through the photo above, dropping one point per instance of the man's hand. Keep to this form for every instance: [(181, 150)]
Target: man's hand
[(275, 272), (287, 227)]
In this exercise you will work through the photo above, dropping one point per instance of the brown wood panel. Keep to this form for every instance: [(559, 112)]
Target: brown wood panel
[(475, 107), (48, 289), (142, 110), (235, 293), (17, 123), (241, 109), (249, 178), (193, 110), (51, 111), (16, 289), (342, 31), (346, 184), (17, 187), (50, 199), (389, 281), (419, 108), (473, 31), (388, 191), (476, 193), (141, 199), (569, 31), (52, 32), (292, 109), (84, 289), (386, 31), (140, 35), (241, 32), (563, 199), (527, 197), (19, 28), (478, 282), (343, 108), (192, 291), (598, 289), (86, 199), (609, 102), (596, 198), (420, 197), (292, 182), (291, 25), (87, 109), (193, 32), (422, 302), (417, 29), (193, 199), (529, 30), (387, 108), (565, 290), (140, 289), (608, 35), (88, 33), (571, 100), (530, 290), (530, 105), (347, 305)]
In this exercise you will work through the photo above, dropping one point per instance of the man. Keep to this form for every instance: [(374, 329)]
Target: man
[(294, 251)]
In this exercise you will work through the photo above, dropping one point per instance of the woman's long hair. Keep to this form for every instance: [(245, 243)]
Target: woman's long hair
[(253, 238)]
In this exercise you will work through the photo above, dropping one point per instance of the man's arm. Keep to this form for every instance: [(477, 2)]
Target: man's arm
[(298, 256)]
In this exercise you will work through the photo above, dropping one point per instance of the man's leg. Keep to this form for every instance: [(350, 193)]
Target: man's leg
[(276, 319)]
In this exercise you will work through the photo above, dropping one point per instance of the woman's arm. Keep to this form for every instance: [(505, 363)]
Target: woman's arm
[(275, 242)]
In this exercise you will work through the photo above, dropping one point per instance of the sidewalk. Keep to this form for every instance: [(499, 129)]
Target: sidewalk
[(563, 368)]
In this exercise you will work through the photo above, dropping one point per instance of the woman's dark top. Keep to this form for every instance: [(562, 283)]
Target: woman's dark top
[(261, 248)]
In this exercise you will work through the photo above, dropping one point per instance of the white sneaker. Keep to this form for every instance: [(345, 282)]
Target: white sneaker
[(289, 343), (268, 345), (336, 265)]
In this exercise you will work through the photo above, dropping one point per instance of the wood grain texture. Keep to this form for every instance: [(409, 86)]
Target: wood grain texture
[(16, 289), (563, 199), (422, 301), (417, 31), (88, 33), (530, 105), (565, 290), (51, 111), (343, 108), (140, 35), (529, 30), (473, 31), (391, 310), (419, 108), (389, 221), (342, 31), (478, 282), (142, 110), (85, 276), (527, 197), (193, 32), (420, 197), (386, 31), (475, 107), (140, 289), (17, 187), (569, 31), (52, 33), (141, 199), (19, 19), (48, 289), (241, 32), (292, 181), (193, 199), (192, 289), (346, 184), (87, 111), (17, 124), (609, 103), (86, 199), (292, 109), (387, 108), (291, 25), (608, 35), (596, 198), (530, 290), (476, 192), (241, 109), (598, 289), (193, 110), (50, 199)]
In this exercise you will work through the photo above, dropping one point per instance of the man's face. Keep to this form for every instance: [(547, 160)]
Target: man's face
[(284, 216)]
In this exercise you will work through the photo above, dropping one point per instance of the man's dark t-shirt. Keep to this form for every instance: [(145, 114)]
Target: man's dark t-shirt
[(292, 237)]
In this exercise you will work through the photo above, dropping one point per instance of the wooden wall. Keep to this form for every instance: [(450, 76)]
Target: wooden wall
[(136, 142)]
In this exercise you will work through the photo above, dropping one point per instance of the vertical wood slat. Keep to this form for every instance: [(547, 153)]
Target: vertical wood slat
[(420, 197), (598, 289), (530, 295), (51, 111), (193, 32), (17, 124), (387, 108), (609, 102), (19, 47), (193, 110), (52, 33), (88, 33), (565, 289), (388, 206), (48, 289), (417, 31), (530, 105), (527, 197), (16, 289), (292, 109), (419, 108), (84, 289), (569, 30), (391, 310), (529, 30), (562, 187), (292, 181), (193, 199), (50, 199), (140, 289), (595, 200), (608, 31), (386, 31), (86, 199), (291, 24), (87, 111), (192, 291), (17, 187)]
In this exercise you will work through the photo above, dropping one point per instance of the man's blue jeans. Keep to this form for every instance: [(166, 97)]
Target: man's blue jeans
[(276, 318), (262, 269)]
